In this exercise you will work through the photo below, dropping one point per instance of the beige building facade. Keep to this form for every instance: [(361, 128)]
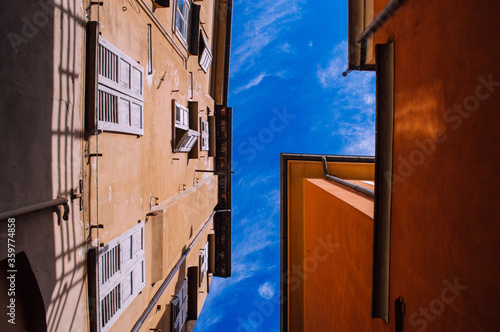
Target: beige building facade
[(116, 167)]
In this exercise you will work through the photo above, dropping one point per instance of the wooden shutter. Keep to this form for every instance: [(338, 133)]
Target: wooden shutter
[(121, 275), (211, 253), (179, 308), (193, 284), (120, 91), (194, 29)]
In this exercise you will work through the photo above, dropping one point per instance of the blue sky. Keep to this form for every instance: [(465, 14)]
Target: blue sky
[(287, 95)]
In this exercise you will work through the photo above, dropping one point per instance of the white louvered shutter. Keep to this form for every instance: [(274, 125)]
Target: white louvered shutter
[(179, 308), (120, 91), (203, 263), (206, 56), (187, 141), (204, 135), (121, 275)]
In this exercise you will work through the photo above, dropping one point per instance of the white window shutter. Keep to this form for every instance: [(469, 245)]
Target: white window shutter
[(206, 56), (120, 88), (203, 263), (187, 141), (119, 112), (121, 275), (181, 116), (204, 135), (179, 308)]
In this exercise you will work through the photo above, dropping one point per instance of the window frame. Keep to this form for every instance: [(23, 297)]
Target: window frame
[(182, 121), (187, 21)]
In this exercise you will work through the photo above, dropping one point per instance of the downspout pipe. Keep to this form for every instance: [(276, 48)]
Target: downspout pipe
[(37, 207), (348, 184), (386, 14), (166, 282)]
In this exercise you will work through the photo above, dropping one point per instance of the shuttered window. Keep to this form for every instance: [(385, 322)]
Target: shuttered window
[(184, 137), (121, 275), (182, 11), (206, 57), (203, 263), (204, 135), (187, 141), (120, 91), (181, 116), (179, 307)]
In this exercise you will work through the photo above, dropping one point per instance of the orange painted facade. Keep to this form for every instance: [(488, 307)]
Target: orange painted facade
[(444, 223), (338, 245)]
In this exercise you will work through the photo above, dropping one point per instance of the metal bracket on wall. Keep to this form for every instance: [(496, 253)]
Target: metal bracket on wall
[(78, 195)]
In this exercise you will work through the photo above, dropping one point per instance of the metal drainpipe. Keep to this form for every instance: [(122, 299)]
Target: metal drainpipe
[(37, 207), (381, 18), (166, 282), (348, 184)]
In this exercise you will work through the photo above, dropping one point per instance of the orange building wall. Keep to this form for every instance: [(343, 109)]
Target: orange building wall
[(297, 172), (445, 223), (338, 258)]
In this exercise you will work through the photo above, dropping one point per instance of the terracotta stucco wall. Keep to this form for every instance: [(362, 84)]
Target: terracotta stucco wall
[(445, 225), (134, 169), (297, 172), (338, 258)]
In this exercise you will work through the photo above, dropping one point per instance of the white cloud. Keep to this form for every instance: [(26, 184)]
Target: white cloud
[(311, 44), (369, 98), (266, 290), (355, 100), (287, 48), (253, 82), (266, 20)]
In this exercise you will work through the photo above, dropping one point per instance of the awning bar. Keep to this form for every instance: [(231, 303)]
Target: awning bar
[(37, 207), (381, 18), (348, 184)]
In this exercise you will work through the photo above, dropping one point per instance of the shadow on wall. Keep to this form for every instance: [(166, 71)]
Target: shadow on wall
[(27, 311), (40, 135)]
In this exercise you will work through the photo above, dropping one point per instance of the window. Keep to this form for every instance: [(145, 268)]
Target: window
[(204, 135), (181, 116), (205, 55), (120, 275), (203, 263), (182, 12), (120, 100), (184, 137), (179, 308), (186, 24)]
